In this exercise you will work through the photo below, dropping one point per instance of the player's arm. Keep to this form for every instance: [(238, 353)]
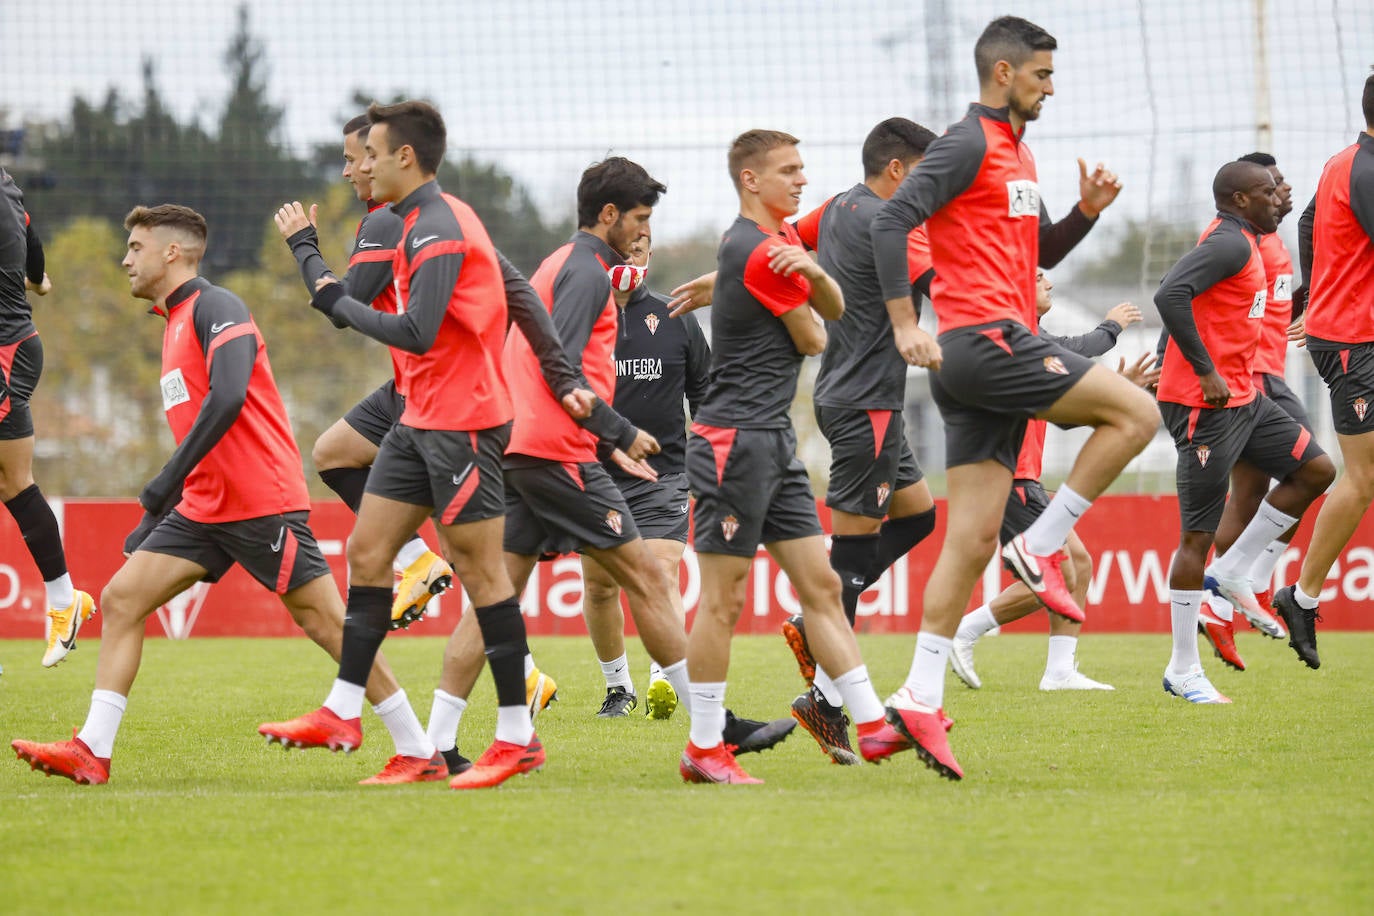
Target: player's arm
[(35, 263), (297, 227), (698, 373), (226, 335), (826, 297), (1305, 226), (1096, 191), (370, 265), (778, 276), (526, 311), (1222, 254), (1103, 337)]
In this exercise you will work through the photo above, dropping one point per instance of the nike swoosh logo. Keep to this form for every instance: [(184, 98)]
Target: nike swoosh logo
[(416, 243), (856, 582), (281, 537), (363, 243), (216, 328), (930, 650), (459, 478)]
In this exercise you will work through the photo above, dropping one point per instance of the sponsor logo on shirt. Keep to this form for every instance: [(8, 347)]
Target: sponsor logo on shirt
[(416, 243), (729, 526), (641, 369), (652, 321), (884, 491), (1023, 198), (1204, 454), (1361, 408), (216, 328), (174, 390), (1283, 287), (1056, 365), (364, 243), (615, 522), (1257, 307)]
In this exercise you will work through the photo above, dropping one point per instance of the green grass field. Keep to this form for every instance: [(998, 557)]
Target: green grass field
[(1101, 803)]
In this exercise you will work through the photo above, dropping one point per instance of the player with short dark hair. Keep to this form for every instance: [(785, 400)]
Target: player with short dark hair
[(1337, 251), (23, 267), (976, 191), (1212, 303), (203, 512)]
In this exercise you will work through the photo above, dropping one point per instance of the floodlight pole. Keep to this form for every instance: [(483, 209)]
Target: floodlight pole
[(1264, 121)]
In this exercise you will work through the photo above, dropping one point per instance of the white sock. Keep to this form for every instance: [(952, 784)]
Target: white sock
[(708, 713), (1267, 525), (400, 720), (444, 717), (1051, 529), (655, 672), (1305, 601), (1183, 614), (676, 675), (345, 700), (1220, 606), (617, 672), (1262, 571), (513, 724), (926, 680), (102, 722), (60, 591), (976, 623), (857, 689), (827, 688), (1059, 660), (529, 665), (411, 551)]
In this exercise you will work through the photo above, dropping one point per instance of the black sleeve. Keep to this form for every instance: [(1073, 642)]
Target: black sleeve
[(1094, 343), (35, 264), (414, 330), (1222, 254), (579, 297), (698, 362), (920, 290), (949, 167), (1058, 239), (305, 246), (1305, 224), (526, 311), (370, 263), (1161, 345), (609, 426), (1362, 189), (225, 330)]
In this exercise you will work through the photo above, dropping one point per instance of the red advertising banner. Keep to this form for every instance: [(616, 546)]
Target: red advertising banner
[(1131, 539)]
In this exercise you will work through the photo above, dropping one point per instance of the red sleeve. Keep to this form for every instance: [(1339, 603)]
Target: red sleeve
[(809, 227), (918, 253), (775, 292)]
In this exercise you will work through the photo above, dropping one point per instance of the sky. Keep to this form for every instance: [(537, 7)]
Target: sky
[(1163, 91)]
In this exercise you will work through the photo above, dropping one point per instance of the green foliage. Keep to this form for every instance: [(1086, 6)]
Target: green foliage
[(1142, 254), (1125, 802)]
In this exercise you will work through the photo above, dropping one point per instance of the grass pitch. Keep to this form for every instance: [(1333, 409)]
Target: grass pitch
[(1130, 801)]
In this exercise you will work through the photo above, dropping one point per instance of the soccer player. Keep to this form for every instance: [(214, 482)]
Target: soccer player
[(231, 492), (559, 497), (659, 362), (1340, 337), (751, 488), (21, 363), (1212, 303), (444, 455), (976, 192), (1248, 484), (1026, 501)]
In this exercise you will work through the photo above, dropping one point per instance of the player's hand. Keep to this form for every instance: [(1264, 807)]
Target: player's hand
[(322, 282), (1124, 314), (291, 218), (692, 295), (1097, 190), (41, 289), (643, 445), (918, 348), (640, 468), (1142, 372), (790, 259), (579, 403), (140, 533), (1214, 389), (1297, 331)]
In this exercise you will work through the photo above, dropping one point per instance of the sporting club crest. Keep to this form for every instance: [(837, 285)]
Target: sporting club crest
[(651, 320), (1204, 454), (615, 522), (1056, 365), (884, 491), (1361, 408), (729, 526)]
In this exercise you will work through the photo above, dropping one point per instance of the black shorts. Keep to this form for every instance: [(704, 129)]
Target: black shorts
[(870, 458), (554, 508), (21, 363), (1349, 376), (457, 473), (661, 508), (1211, 441), (1024, 504), (1276, 389), (277, 550), (751, 489), (995, 377), (375, 414)]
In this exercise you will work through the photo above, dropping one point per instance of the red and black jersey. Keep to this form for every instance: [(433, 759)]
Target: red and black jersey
[(976, 193), (236, 457), (1278, 305), (1212, 304), (754, 363), (16, 315), (1340, 303)]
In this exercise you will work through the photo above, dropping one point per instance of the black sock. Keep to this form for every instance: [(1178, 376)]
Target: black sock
[(38, 525), (897, 537), (365, 626), (349, 483), (503, 635), (852, 555)]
